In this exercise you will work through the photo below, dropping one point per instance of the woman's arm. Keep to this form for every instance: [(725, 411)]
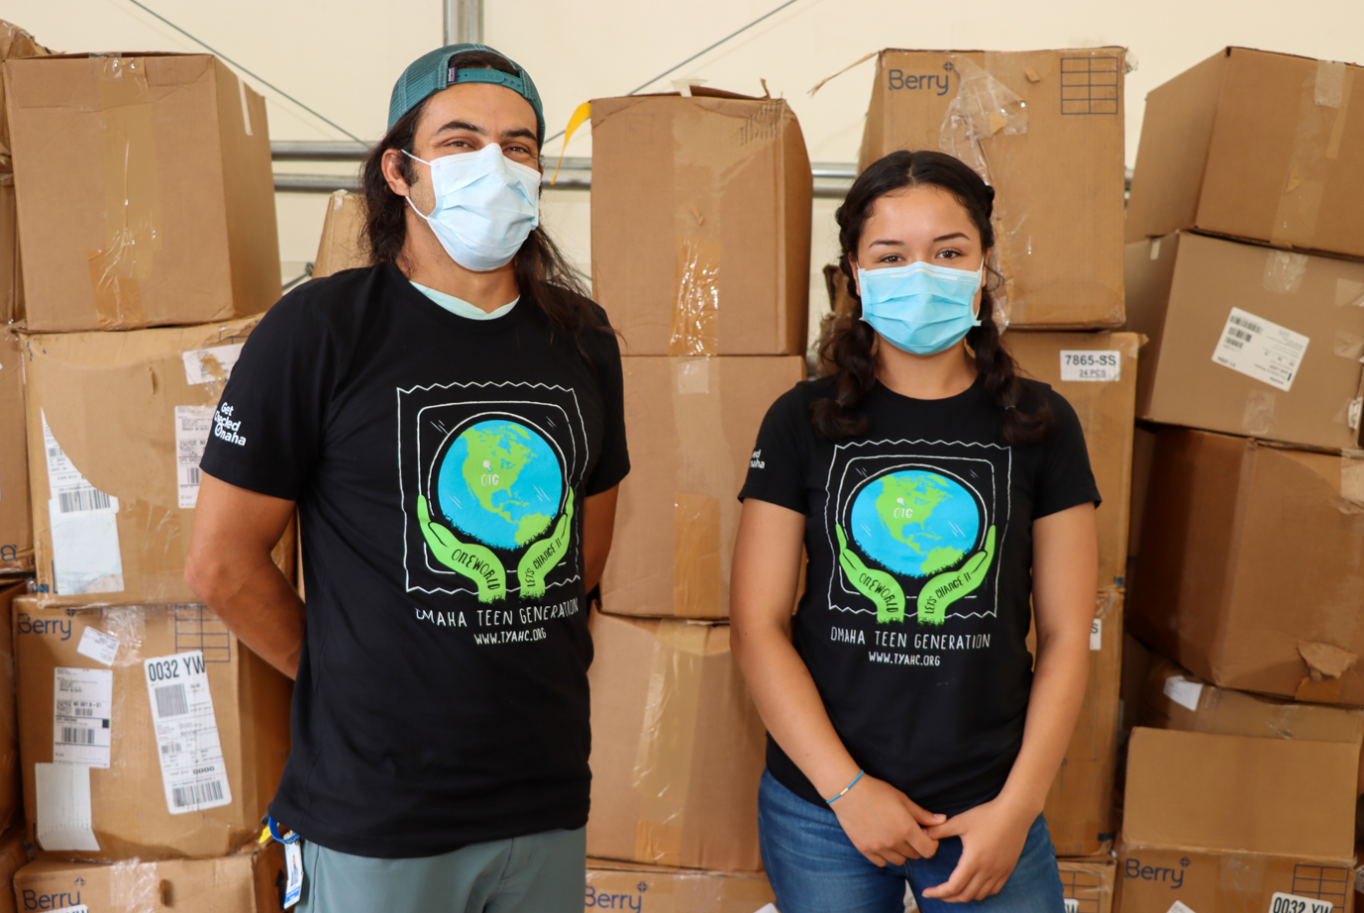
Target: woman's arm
[(1064, 581), (599, 525), (881, 821)]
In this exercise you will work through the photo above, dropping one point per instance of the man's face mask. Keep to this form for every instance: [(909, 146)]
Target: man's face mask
[(486, 206)]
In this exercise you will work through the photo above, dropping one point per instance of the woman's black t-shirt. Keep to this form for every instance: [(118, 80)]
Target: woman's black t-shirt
[(917, 598), (440, 466)]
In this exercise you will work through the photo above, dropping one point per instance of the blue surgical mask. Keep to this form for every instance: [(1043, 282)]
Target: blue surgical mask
[(920, 308), (486, 206)]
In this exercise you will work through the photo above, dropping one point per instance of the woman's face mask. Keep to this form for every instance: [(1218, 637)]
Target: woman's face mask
[(486, 206), (920, 308)]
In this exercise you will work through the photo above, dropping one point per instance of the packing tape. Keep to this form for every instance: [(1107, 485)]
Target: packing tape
[(1283, 271), (1320, 129), (662, 775), (1348, 345), (1349, 293), (134, 887), (132, 206), (1348, 414), (984, 108), (705, 472), (1257, 420), (1242, 874), (696, 297), (1352, 476)]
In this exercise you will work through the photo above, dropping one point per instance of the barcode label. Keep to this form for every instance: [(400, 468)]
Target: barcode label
[(79, 499), (82, 716), (1260, 349), (1072, 905), (193, 772), (196, 795), (170, 701), (72, 736), (192, 425)]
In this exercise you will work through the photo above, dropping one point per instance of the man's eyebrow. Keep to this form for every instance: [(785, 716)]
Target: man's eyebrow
[(518, 133), (461, 125)]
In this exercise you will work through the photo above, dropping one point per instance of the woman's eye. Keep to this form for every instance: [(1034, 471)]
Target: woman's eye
[(949, 254)]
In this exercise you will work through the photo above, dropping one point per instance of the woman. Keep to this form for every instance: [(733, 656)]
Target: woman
[(935, 493)]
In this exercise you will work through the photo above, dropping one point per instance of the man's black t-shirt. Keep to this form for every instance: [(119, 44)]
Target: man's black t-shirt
[(917, 598), (440, 466)]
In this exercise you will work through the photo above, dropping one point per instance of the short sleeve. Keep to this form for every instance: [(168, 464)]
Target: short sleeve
[(1066, 478), (614, 464), (267, 430), (776, 469)]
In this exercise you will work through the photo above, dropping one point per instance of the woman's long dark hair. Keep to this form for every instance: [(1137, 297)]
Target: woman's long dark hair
[(542, 273), (847, 345)]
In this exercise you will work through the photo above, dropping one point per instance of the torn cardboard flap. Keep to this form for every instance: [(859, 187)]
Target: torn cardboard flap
[(1325, 660)]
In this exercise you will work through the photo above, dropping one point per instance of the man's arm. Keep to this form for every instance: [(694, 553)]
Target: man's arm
[(230, 568)]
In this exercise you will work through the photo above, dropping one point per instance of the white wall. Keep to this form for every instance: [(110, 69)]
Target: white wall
[(342, 56)]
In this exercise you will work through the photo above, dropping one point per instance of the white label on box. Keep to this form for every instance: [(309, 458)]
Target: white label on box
[(193, 770), (84, 520), (192, 424), (1096, 634), (78, 908), (1292, 903), (200, 364), (1179, 907), (1072, 905), (1260, 349), (1082, 364), (97, 645), (63, 800), (1183, 692), (82, 715)]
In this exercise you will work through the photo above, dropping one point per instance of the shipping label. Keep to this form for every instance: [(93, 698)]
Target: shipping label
[(1260, 349), (1096, 634), (1183, 692), (193, 771), (84, 527), (1292, 903), (82, 716), (192, 425), (214, 364), (1088, 365), (97, 645)]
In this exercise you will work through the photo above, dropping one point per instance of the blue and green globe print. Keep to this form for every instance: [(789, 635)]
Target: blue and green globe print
[(500, 482), (914, 522)]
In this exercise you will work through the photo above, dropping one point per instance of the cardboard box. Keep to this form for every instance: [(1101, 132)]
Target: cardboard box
[(117, 423), (244, 883), (1252, 566), (13, 857), (14, 43), (1224, 824), (1254, 145), (16, 513), (1248, 340), (1097, 374), (11, 792), (1045, 129), (156, 207), (343, 244), (1079, 807), (661, 889), (153, 774), (1176, 699), (692, 423), (1088, 884), (701, 211), (677, 747)]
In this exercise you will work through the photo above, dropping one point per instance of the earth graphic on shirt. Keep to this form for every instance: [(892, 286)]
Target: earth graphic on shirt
[(914, 522), (500, 482)]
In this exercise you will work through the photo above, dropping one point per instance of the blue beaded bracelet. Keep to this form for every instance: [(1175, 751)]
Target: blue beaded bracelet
[(845, 789)]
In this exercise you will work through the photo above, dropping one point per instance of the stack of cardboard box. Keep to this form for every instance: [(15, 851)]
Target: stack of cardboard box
[(1241, 228), (701, 209), (150, 738), (1045, 129)]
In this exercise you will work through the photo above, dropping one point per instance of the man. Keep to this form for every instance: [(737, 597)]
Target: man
[(449, 424)]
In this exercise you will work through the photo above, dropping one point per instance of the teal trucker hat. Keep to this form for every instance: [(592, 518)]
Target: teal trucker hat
[(432, 72)]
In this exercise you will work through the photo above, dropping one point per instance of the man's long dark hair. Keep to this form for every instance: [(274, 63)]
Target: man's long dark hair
[(542, 274), (848, 341)]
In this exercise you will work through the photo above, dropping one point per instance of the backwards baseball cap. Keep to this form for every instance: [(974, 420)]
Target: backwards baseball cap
[(432, 72)]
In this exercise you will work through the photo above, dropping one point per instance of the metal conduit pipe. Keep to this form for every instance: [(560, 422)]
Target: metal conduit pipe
[(832, 179)]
